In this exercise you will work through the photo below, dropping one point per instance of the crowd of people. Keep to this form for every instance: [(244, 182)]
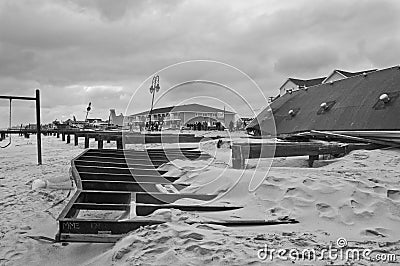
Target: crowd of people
[(199, 126)]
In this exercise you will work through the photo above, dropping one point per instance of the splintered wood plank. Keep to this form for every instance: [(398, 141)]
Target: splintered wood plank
[(146, 209), (165, 198)]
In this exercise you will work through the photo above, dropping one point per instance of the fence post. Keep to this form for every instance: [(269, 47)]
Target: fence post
[(99, 142), (86, 141), (119, 144), (38, 129), (76, 139), (237, 158)]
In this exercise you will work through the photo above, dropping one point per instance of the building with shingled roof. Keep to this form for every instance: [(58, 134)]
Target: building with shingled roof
[(183, 115)]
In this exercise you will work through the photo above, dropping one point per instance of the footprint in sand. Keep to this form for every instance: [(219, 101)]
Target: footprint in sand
[(298, 193), (360, 164), (207, 227), (361, 185), (346, 215), (379, 189), (156, 251), (394, 162), (360, 156), (374, 232), (199, 250), (393, 194), (192, 235), (120, 253), (325, 210), (269, 192), (275, 179), (170, 258), (364, 197), (308, 182), (394, 210), (276, 213), (356, 205), (12, 255)]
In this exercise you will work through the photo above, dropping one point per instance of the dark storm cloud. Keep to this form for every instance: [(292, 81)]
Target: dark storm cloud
[(111, 47), (310, 60)]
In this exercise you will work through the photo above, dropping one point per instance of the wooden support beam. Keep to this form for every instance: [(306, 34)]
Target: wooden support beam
[(86, 142), (63, 136), (146, 209), (118, 170), (68, 138), (101, 206), (121, 164), (165, 198), (105, 197), (119, 144), (100, 142), (127, 178), (38, 130), (124, 186), (241, 152), (237, 159), (311, 159), (102, 226), (76, 139)]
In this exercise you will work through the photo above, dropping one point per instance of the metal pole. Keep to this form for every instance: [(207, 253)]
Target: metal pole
[(151, 110), (224, 118), (38, 130), (155, 87)]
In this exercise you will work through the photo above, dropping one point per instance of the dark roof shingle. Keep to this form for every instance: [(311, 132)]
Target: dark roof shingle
[(307, 82), (352, 74), (193, 107)]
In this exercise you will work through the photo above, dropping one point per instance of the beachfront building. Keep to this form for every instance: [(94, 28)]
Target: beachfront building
[(293, 84), (116, 120), (365, 103), (338, 74), (175, 117)]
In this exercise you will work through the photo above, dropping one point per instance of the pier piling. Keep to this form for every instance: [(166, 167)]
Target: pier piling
[(86, 142), (99, 142)]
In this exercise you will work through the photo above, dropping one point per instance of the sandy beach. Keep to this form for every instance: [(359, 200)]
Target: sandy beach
[(355, 197), (314, 84)]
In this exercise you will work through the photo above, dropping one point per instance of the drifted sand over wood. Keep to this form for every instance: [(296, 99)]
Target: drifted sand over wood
[(356, 197)]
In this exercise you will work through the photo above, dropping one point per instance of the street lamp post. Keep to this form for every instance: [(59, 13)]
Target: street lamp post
[(155, 87)]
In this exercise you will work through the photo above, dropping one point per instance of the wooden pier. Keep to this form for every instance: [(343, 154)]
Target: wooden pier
[(243, 151), (120, 138), (110, 180)]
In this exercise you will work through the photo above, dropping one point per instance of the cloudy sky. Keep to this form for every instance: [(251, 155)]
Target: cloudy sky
[(106, 52)]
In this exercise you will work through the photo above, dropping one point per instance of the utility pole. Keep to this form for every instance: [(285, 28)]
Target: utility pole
[(38, 129), (88, 110), (224, 117), (155, 87)]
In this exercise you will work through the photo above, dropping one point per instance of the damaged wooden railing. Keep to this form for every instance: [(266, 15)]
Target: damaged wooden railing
[(128, 184), (243, 151)]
